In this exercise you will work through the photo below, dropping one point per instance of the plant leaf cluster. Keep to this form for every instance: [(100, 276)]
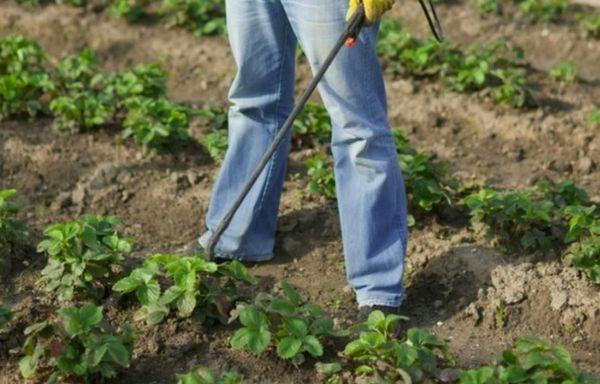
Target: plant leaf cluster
[(322, 180), (11, 229), (197, 287), (203, 375), (24, 79), (75, 342), (283, 321), (528, 361), (81, 254)]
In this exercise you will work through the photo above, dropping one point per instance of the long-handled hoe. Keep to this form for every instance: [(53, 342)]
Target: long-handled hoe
[(348, 38)]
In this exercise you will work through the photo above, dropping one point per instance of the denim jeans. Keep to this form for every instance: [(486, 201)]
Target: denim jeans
[(370, 190)]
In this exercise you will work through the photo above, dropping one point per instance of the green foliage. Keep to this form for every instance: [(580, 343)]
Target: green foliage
[(5, 316), (523, 215), (528, 361), (488, 6), (565, 73), (380, 357), (203, 17), (312, 128), (143, 80), (216, 141), (80, 102), (132, 10), (585, 255), (405, 54), (589, 24), (203, 375), (283, 321), (23, 79), (156, 123), (29, 3), (74, 3), (594, 117), (545, 10), (322, 180), (198, 287), (11, 229), (81, 254), (75, 343), (425, 181)]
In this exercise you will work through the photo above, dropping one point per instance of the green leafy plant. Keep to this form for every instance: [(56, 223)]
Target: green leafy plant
[(585, 255), (583, 221), (564, 73), (523, 215), (594, 117), (404, 54), (528, 361), (589, 24), (283, 321), (143, 80), (81, 254), (11, 229), (312, 127), (380, 357), (198, 287), (132, 10), (5, 316), (203, 17), (74, 3), (545, 10), (80, 102), (156, 123), (426, 184), (216, 142), (203, 375), (488, 6), (322, 180), (75, 343), (23, 79)]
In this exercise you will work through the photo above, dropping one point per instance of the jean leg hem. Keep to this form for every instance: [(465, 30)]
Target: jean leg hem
[(224, 255), (384, 301)]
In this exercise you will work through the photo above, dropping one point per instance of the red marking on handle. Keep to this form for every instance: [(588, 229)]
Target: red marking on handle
[(350, 42)]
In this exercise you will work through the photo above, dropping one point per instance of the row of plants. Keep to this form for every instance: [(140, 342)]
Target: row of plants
[(76, 340), (202, 17), (81, 97), (545, 10)]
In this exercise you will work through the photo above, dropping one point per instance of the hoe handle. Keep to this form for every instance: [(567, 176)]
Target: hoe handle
[(347, 38)]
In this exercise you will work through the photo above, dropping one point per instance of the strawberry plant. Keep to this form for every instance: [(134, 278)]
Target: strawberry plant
[(425, 181), (583, 221), (312, 127), (585, 255), (528, 361), (198, 287), (522, 215), (594, 117), (132, 10), (545, 10), (216, 142), (202, 375), (404, 54), (322, 180), (379, 357), (143, 80), (80, 102), (75, 343), (563, 194), (589, 24), (284, 322), (487, 6), (565, 73), (23, 79), (80, 256), (5, 316), (156, 123), (11, 229), (203, 17)]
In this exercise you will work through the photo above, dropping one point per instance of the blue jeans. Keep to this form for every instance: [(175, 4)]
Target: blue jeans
[(370, 190)]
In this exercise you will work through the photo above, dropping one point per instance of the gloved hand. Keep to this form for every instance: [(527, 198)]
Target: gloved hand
[(373, 9)]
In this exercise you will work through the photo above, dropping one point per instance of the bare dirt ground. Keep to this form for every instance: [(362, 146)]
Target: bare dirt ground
[(456, 281)]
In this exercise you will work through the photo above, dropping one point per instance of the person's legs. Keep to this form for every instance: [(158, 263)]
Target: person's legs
[(262, 97), (369, 184)]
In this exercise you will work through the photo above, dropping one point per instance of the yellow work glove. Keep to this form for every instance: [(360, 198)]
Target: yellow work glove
[(373, 9)]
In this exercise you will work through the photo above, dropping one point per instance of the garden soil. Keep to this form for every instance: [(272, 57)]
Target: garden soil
[(469, 292)]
